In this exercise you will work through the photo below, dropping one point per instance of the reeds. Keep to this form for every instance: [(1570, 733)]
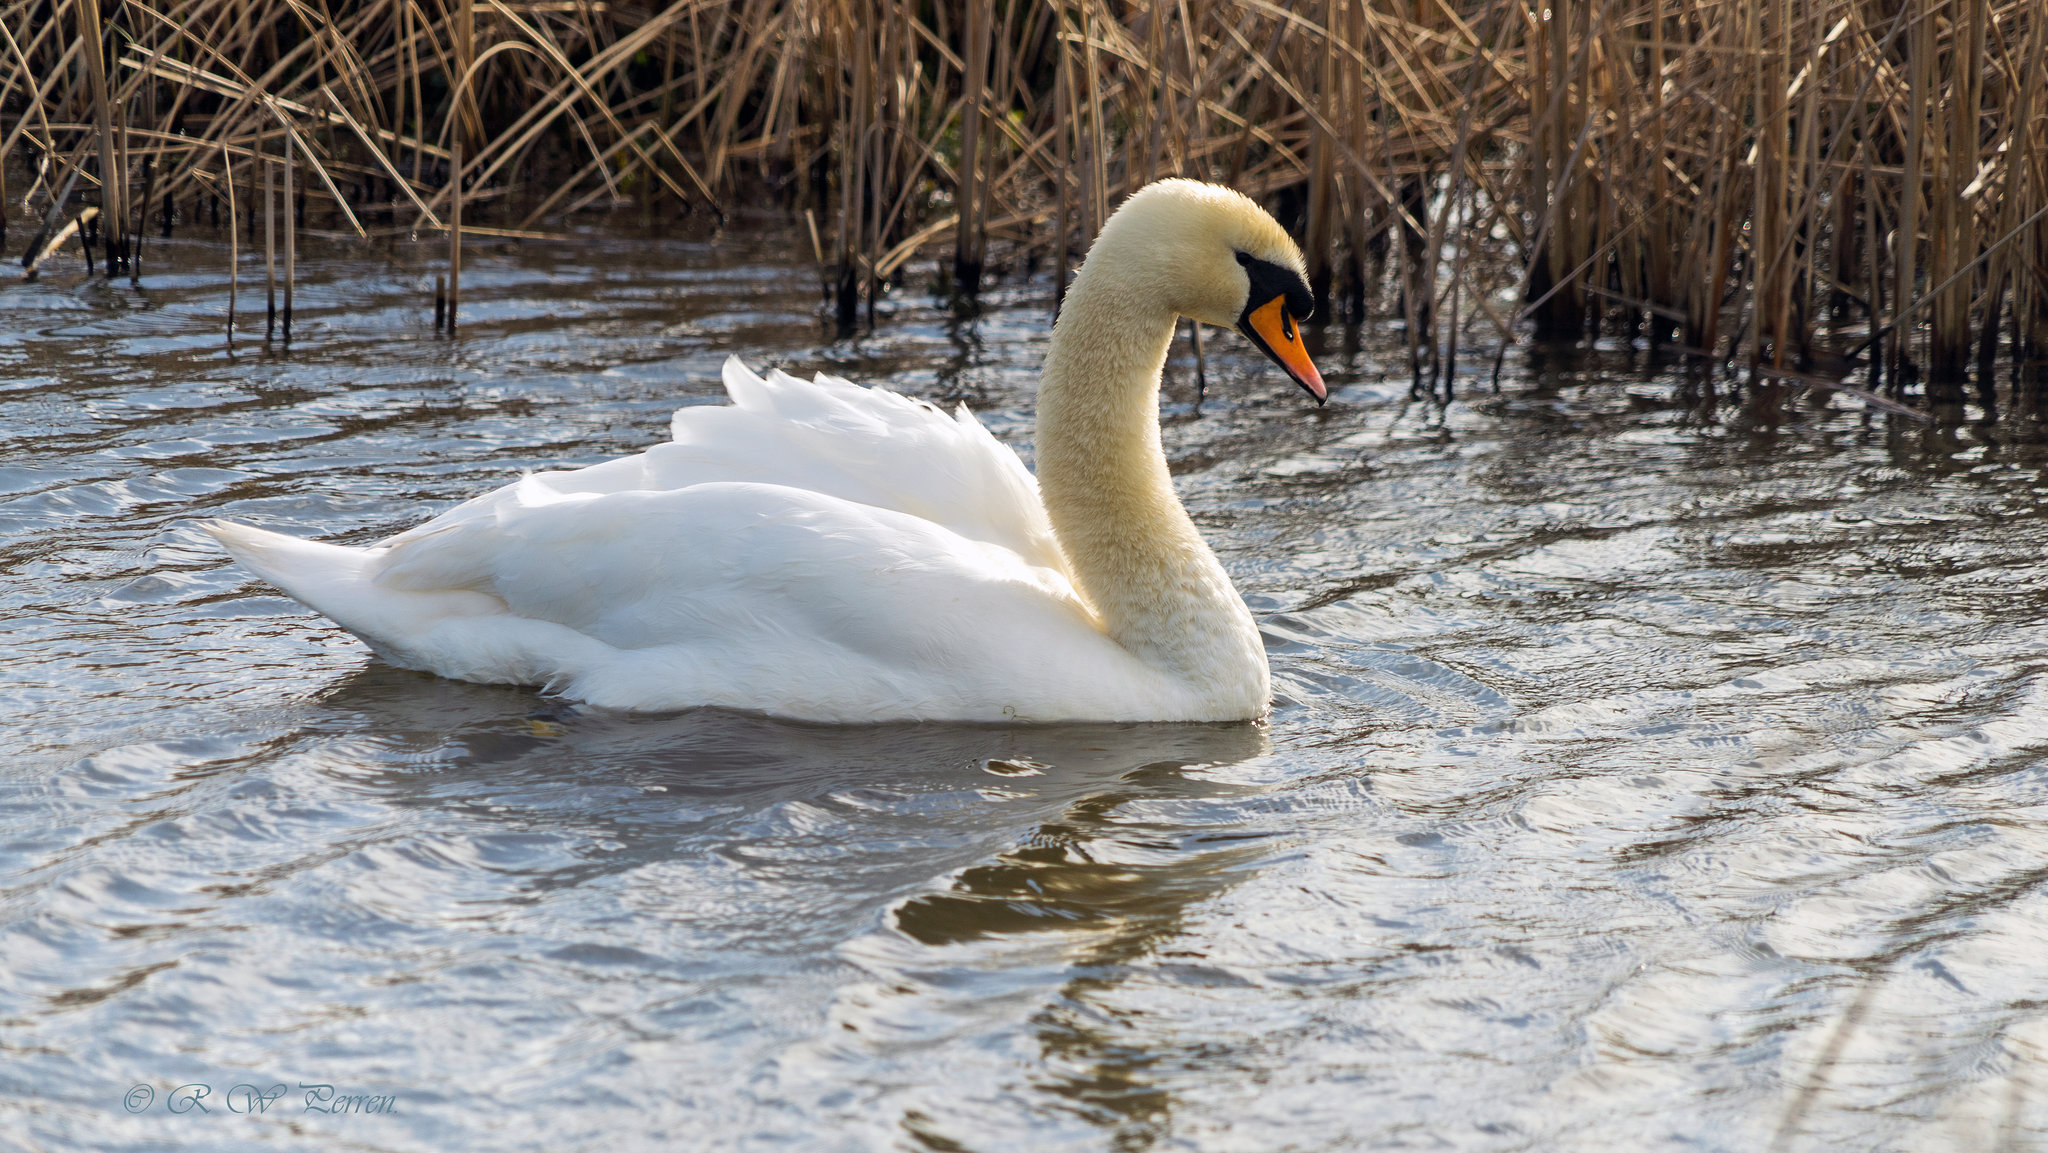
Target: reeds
[(1802, 187)]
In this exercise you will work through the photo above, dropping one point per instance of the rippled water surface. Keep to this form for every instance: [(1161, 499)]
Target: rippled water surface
[(1638, 780)]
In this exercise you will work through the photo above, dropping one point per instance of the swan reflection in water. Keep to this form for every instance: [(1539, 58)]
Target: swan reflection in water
[(1102, 885), (946, 863)]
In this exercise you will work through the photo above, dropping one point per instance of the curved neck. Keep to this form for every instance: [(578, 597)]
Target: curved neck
[(1136, 556)]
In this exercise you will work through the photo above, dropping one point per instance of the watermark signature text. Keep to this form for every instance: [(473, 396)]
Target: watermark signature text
[(247, 1098)]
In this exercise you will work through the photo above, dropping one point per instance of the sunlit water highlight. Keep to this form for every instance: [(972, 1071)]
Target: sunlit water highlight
[(1637, 781)]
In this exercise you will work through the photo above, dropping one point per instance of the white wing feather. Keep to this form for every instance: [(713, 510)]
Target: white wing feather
[(817, 550), (828, 436)]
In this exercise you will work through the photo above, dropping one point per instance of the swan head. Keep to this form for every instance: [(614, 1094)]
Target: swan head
[(1213, 254)]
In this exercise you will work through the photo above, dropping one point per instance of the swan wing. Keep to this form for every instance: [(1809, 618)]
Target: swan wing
[(816, 550), (756, 596), (828, 436), (869, 445)]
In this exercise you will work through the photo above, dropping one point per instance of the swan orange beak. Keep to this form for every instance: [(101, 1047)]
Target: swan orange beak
[(1272, 328)]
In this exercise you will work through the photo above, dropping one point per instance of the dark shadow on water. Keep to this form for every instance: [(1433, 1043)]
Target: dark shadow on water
[(1114, 874), (490, 729), (1093, 866), (866, 810), (1110, 877), (967, 840)]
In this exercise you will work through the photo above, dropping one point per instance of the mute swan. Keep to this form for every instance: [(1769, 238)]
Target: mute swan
[(827, 552)]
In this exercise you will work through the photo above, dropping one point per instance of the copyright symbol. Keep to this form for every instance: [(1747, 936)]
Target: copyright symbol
[(139, 1098)]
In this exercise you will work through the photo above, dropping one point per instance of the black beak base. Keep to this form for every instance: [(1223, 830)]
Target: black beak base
[(1270, 281)]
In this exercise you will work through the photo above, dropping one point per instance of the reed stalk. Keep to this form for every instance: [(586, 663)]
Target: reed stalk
[(291, 232), (227, 175), (971, 233), (454, 237), (269, 249)]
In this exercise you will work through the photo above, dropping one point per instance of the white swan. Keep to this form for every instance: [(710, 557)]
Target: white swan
[(827, 552)]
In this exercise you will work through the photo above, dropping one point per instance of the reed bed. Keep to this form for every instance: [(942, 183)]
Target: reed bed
[(1805, 189)]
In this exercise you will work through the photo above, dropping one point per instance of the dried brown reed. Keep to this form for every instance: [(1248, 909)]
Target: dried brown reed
[(1792, 185)]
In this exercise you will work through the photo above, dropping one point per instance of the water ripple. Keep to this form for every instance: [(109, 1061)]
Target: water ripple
[(1635, 781)]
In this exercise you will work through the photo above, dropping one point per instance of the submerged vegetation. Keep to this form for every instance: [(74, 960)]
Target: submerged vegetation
[(1807, 189)]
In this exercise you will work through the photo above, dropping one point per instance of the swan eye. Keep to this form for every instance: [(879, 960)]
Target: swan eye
[(1244, 258)]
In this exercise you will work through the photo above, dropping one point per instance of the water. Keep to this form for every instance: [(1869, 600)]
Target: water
[(1638, 780)]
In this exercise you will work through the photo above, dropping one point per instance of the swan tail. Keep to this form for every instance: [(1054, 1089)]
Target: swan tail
[(340, 582)]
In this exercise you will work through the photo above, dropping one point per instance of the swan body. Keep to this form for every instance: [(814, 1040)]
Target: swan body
[(827, 552)]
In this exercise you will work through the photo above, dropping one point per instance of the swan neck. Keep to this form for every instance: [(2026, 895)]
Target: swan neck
[(1136, 556)]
